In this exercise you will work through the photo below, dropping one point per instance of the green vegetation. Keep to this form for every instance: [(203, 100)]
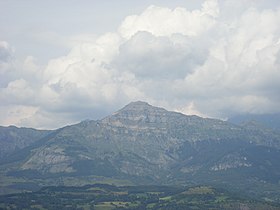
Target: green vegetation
[(109, 197), (141, 144)]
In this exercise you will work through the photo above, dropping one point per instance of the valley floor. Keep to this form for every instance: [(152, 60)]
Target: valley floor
[(109, 197)]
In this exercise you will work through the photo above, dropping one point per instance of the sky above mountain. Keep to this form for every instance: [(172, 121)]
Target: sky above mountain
[(65, 61)]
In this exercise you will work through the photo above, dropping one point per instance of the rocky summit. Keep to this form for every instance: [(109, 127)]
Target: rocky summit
[(142, 144)]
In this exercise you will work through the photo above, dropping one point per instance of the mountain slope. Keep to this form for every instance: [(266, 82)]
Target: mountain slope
[(145, 144), (13, 139)]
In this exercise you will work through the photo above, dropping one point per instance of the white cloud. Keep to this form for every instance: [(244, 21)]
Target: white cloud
[(15, 114), (17, 91), (209, 62), (190, 109), (165, 22)]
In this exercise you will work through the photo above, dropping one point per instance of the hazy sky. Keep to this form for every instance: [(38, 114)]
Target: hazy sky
[(65, 61)]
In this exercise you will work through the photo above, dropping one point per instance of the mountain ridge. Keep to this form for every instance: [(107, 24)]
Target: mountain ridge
[(12, 138)]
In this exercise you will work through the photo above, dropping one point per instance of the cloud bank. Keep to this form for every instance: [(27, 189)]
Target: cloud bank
[(212, 62)]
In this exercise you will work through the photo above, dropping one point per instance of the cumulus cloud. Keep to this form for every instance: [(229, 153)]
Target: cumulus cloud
[(209, 61), (165, 22), (160, 57)]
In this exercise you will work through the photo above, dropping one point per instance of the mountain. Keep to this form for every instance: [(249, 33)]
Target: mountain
[(143, 144), (267, 120), (13, 139)]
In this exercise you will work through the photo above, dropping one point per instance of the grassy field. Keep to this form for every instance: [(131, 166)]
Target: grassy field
[(109, 197)]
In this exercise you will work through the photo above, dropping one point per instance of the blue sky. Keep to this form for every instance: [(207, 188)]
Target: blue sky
[(65, 61)]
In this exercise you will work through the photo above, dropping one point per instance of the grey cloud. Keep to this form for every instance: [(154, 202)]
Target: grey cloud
[(159, 57)]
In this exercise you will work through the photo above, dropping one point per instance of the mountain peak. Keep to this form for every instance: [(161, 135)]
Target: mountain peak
[(137, 105), (140, 107), (136, 113)]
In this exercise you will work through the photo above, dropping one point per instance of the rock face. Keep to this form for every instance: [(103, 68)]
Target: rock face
[(153, 145), (50, 159)]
